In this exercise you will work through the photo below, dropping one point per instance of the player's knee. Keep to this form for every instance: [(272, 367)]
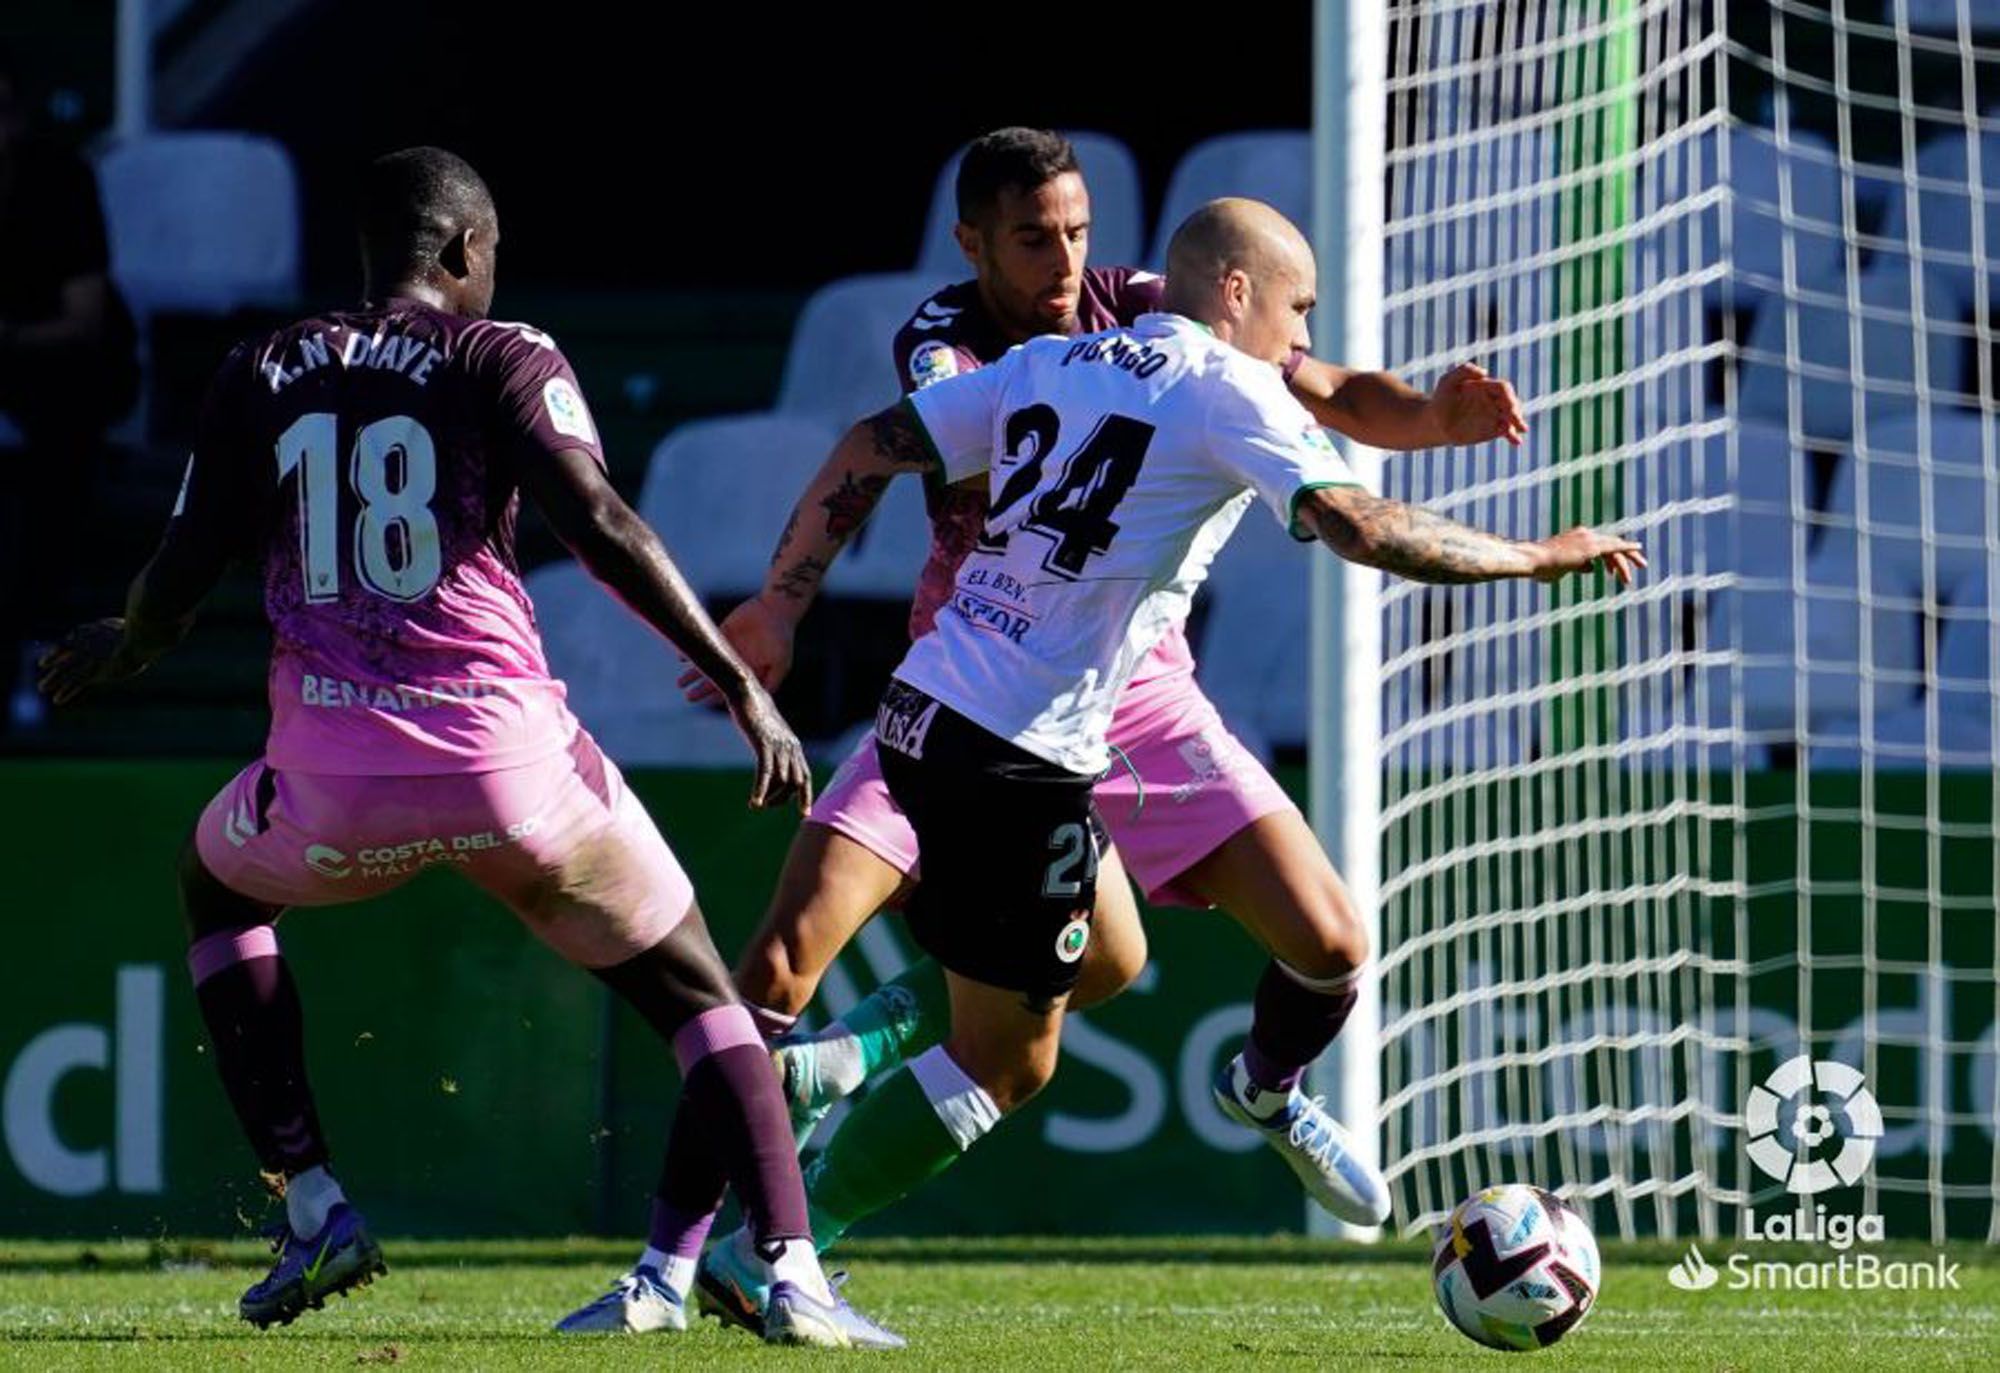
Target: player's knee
[(208, 907), (1011, 1076), (768, 976), (1015, 1085), (1109, 967), (1339, 937)]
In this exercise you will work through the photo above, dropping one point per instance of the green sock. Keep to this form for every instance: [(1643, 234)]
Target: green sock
[(901, 1018), (894, 1141)]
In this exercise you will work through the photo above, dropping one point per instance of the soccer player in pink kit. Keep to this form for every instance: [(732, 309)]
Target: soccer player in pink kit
[(1236, 842), (372, 461)]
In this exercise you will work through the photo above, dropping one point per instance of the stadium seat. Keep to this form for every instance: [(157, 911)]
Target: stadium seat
[(621, 677), (1253, 650), (1117, 212), (1921, 511), (839, 366), (1942, 17), (717, 491), (1945, 199), (1777, 191), (1958, 692), (1892, 373), (1768, 529), (1275, 167), (201, 222), (1478, 201), (885, 556)]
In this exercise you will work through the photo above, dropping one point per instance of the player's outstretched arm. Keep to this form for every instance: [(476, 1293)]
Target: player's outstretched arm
[(159, 611), (844, 493), (1383, 411), (622, 551), (1425, 546)]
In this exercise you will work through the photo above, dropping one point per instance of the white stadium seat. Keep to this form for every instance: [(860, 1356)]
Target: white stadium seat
[(885, 555), (839, 366), (1808, 341), (717, 492), (1117, 213), (1274, 166), (1945, 201), (1253, 651), (621, 677), (1779, 192), (201, 222)]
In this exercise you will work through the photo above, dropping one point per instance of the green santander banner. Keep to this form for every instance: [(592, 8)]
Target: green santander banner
[(473, 1084)]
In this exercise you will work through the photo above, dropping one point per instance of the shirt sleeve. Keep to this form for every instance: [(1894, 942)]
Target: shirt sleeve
[(1139, 293), (1258, 432), (225, 496), (542, 410), (922, 362), (958, 415)]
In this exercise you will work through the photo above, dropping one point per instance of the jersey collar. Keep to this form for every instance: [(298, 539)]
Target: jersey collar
[(1166, 321)]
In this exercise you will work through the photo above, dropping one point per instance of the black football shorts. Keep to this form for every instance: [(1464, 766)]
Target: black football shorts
[(1008, 845)]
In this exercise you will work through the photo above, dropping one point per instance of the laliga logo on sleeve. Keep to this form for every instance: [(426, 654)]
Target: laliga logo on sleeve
[(567, 411), (1799, 1081), (932, 362)]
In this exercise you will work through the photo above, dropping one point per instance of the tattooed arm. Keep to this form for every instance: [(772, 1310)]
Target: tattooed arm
[(1424, 546), (839, 501)]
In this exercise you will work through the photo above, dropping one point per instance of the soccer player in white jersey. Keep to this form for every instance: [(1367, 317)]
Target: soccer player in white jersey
[(1118, 463)]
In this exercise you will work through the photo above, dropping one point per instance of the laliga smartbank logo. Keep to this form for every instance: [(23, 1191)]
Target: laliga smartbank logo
[(1813, 1125), (1796, 1083)]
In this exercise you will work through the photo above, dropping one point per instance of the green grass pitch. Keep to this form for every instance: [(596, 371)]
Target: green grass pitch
[(1180, 1304)]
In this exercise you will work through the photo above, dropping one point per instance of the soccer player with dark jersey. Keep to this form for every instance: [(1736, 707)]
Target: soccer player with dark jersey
[(1117, 465), (371, 461), (1234, 839)]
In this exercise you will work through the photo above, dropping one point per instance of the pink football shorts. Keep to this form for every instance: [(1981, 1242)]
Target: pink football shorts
[(1182, 785), (562, 842)]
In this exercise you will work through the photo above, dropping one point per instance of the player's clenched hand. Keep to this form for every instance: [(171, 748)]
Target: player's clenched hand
[(1580, 549), (782, 772), (89, 654), (1472, 407), (762, 638)]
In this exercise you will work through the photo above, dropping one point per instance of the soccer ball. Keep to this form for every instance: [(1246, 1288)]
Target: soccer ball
[(1515, 1267)]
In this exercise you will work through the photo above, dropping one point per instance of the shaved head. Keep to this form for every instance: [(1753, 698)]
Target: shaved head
[(1234, 235), (1247, 272)]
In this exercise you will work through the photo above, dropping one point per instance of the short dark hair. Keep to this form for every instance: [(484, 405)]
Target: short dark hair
[(414, 202), (1016, 157)]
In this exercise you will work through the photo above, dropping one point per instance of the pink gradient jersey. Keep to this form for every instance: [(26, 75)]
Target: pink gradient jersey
[(370, 461)]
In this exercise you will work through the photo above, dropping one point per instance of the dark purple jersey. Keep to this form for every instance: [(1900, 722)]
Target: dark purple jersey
[(370, 461)]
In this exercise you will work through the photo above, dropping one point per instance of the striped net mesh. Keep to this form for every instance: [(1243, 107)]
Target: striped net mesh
[(1643, 849)]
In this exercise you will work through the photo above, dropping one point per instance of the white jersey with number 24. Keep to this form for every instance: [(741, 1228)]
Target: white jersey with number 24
[(1119, 465)]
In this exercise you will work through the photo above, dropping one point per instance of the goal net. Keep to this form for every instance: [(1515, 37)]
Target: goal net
[(1639, 849)]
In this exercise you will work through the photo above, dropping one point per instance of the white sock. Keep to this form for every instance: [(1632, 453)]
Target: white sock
[(1258, 1102), (962, 1105), (797, 1263), (309, 1197), (677, 1276), (676, 1273), (837, 1058)]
